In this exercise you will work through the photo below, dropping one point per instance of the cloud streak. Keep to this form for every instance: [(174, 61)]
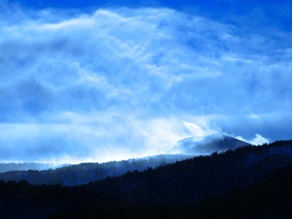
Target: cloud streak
[(132, 81)]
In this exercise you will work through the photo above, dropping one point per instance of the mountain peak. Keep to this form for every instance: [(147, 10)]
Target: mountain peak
[(206, 145)]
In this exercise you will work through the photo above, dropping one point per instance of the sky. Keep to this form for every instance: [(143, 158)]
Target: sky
[(109, 80)]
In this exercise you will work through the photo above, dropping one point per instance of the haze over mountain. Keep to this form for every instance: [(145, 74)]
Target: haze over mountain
[(249, 182), (72, 175), (83, 173), (5, 167), (206, 145), (78, 174)]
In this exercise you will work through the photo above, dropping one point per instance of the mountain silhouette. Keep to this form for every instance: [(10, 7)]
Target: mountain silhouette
[(72, 175), (206, 145), (249, 182), (78, 174)]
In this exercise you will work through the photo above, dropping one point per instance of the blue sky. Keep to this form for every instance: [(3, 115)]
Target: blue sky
[(98, 80)]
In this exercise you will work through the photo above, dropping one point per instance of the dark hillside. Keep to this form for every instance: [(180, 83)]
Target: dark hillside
[(268, 198), (251, 182), (78, 174), (189, 181)]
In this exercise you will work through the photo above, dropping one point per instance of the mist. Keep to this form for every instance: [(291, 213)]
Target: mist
[(118, 83)]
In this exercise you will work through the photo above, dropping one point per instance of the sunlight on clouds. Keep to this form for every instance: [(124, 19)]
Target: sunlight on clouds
[(79, 23), (162, 132), (94, 136), (198, 131), (116, 82), (257, 140)]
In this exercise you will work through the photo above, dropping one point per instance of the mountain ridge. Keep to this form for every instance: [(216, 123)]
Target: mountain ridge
[(206, 145), (202, 187), (174, 184), (83, 173)]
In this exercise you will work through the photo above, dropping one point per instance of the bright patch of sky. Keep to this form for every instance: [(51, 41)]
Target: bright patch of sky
[(98, 83)]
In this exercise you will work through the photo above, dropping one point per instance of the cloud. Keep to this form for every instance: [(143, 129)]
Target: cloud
[(257, 140), (89, 137), (201, 127), (126, 81)]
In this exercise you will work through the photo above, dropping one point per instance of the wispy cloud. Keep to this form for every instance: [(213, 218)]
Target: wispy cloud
[(131, 81), (257, 140)]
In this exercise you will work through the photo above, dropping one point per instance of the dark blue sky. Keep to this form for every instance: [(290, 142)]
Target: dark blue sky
[(104, 80)]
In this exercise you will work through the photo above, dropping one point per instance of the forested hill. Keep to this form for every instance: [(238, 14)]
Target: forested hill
[(229, 184), (189, 181), (78, 174)]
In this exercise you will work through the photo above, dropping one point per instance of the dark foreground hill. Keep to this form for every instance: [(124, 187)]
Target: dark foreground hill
[(267, 198), (73, 175), (189, 181), (78, 174), (250, 182)]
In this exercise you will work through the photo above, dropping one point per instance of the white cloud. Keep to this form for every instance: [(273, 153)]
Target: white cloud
[(200, 128), (121, 79), (92, 136), (257, 140)]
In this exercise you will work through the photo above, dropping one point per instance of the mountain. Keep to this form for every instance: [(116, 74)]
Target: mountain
[(189, 181), (249, 182), (5, 167), (83, 173), (206, 145), (72, 175)]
